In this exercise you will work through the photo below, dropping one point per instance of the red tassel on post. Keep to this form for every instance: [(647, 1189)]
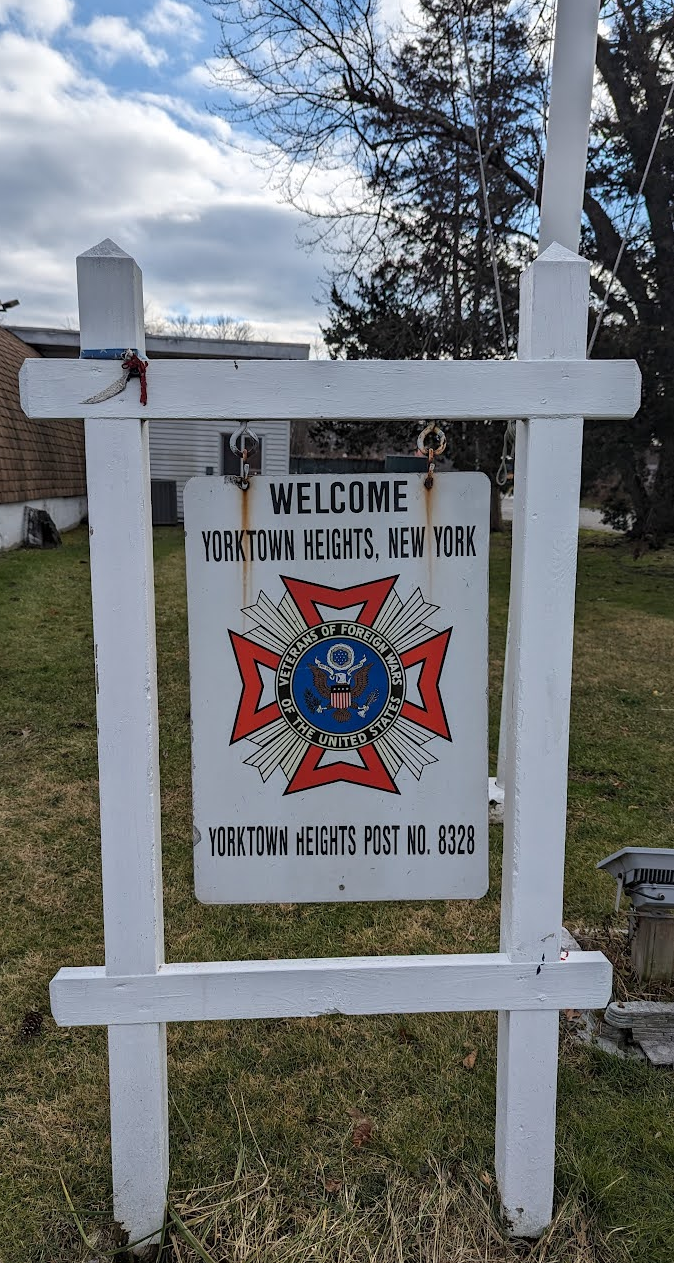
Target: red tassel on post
[(136, 367)]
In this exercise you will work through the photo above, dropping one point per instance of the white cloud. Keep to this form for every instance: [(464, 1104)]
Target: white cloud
[(44, 16), (217, 72), (398, 16), (174, 20), (113, 38), (81, 162), (25, 65), (199, 75)]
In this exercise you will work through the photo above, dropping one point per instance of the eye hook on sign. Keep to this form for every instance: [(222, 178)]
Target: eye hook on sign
[(431, 450), (242, 442)]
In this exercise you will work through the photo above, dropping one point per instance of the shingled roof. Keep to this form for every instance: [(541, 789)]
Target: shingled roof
[(38, 459)]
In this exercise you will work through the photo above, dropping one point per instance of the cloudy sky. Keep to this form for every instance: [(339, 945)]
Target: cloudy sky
[(105, 131)]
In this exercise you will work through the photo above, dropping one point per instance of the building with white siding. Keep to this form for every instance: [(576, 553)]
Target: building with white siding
[(182, 450)]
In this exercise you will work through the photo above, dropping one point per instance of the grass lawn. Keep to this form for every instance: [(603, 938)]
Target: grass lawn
[(278, 1104)]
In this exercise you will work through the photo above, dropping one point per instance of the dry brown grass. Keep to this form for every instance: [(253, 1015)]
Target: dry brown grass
[(449, 1217), (611, 939)]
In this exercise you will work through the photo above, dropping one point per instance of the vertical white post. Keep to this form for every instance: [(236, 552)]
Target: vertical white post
[(500, 764), (122, 581), (553, 323), (568, 128), (563, 187)]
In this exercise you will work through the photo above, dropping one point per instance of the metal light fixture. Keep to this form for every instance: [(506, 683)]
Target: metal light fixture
[(646, 875)]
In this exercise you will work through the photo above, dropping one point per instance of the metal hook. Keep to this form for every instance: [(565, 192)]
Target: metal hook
[(244, 433), (249, 441)]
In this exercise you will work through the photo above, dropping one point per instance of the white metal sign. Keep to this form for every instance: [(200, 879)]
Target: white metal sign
[(338, 662)]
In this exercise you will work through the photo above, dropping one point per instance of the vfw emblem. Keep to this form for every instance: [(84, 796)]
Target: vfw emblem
[(356, 685)]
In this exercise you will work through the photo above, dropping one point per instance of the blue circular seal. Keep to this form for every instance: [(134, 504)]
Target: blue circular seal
[(340, 685)]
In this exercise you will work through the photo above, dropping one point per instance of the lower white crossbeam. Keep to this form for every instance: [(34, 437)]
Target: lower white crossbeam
[(308, 988)]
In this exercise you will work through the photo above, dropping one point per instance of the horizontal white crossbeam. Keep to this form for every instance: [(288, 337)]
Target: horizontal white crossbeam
[(349, 390), (309, 988)]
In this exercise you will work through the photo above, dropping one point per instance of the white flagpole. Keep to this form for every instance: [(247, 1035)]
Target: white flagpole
[(561, 208)]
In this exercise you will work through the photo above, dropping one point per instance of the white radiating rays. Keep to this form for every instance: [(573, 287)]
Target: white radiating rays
[(276, 626), (405, 626), (279, 746), (403, 744)]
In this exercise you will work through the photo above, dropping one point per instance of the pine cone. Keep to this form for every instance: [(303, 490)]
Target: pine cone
[(31, 1026)]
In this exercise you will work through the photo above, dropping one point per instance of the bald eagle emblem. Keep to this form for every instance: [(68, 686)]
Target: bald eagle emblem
[(341, 682)]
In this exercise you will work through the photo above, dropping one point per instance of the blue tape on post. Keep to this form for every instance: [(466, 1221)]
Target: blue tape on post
[(109, 353)]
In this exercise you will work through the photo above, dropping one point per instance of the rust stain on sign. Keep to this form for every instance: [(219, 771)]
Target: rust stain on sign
[(246, 567), (429, 499)]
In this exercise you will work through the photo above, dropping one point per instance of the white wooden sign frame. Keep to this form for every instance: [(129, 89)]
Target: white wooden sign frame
[(527, 981)]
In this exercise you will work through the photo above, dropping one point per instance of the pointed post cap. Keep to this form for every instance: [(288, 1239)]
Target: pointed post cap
[(106, 249), (558, 254), (110, 296)]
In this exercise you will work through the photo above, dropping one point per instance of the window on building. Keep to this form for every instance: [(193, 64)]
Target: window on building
[(231, 464)]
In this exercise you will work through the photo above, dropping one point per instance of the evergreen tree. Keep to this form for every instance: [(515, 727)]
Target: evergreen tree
[(635, 56), (331, 89)]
